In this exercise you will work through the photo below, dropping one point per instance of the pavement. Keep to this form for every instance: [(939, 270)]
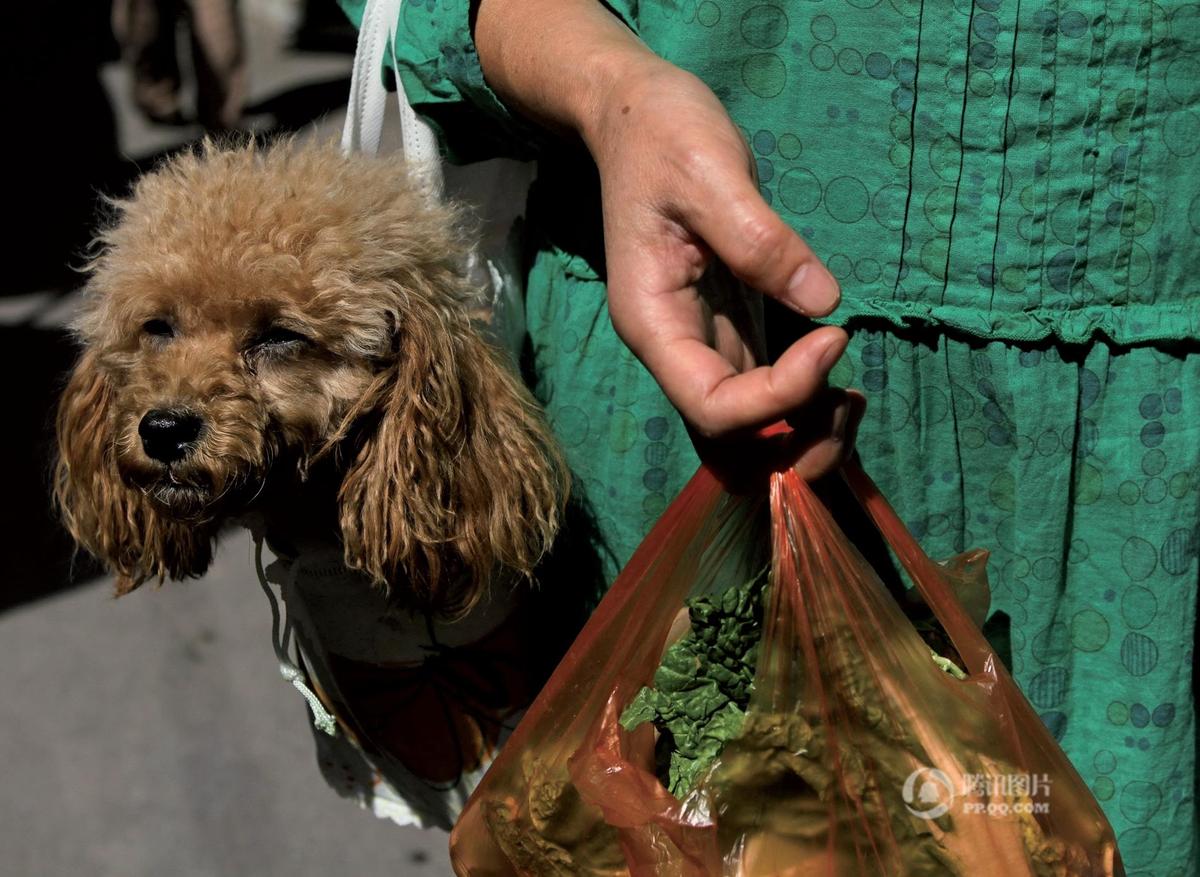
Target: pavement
[(153, 735)]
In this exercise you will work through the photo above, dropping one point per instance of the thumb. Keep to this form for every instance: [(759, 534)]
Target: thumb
[(761, 249)]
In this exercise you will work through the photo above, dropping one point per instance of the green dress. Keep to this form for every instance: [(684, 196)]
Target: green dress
[(1009, 194)]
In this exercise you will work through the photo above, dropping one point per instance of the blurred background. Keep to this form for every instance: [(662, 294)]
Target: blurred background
[(151, 735)]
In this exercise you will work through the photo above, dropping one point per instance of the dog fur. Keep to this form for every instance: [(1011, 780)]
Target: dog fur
[(308, 308)]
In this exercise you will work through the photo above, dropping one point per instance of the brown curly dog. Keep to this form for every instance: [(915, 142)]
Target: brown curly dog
[(255, 314)]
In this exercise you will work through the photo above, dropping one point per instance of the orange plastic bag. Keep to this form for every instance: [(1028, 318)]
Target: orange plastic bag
[(857, 754)]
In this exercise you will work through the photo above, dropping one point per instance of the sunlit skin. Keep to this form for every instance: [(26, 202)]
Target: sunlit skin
[(678, 193)]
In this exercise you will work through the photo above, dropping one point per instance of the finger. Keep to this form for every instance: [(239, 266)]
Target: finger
[(717, 400), (821, 450), (816, 444), (824, 416), (858, 409), (819, 442), (835, 410), (763, 250)]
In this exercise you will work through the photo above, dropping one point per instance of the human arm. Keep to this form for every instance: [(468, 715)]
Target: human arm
[(678, 188)]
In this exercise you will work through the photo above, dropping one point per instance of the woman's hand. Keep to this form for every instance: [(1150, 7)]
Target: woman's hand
[(679, 194)]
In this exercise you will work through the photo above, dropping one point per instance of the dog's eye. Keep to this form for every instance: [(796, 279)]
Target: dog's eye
[(158, 328), (279, 337)]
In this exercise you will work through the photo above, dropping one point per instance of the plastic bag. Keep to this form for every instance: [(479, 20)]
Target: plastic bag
[(857, 754)]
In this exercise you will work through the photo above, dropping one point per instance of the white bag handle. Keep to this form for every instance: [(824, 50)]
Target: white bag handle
[(365, 112), (367, 106)]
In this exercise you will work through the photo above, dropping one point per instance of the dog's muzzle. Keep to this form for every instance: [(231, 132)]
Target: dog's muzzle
[(169, 436)]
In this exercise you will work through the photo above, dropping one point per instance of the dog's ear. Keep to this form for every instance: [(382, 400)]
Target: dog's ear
[(458, 477), (114, 522)]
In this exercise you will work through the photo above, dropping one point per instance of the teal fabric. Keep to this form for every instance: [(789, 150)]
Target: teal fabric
[(627, 447), (1009, 194), (1016, 171), (1009, 170)]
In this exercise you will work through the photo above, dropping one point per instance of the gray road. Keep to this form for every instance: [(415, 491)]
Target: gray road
[(153, 735)]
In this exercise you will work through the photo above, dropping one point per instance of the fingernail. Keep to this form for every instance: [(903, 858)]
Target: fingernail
[(832, 352), (812, 290)]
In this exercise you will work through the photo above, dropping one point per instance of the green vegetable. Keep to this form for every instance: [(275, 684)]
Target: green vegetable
[(787, 788), (948, 665), (703, 685)]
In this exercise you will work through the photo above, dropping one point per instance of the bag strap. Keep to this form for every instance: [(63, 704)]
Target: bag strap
[(367, 107), (281, 635), (930, 579)]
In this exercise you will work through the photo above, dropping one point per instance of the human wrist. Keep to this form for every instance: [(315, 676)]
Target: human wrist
[(557, 62), (620, 79)]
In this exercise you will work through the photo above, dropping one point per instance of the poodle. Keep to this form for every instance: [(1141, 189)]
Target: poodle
[(253, 311), (287, 335)]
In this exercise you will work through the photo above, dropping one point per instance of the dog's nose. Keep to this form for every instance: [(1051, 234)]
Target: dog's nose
[(167, 436)]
